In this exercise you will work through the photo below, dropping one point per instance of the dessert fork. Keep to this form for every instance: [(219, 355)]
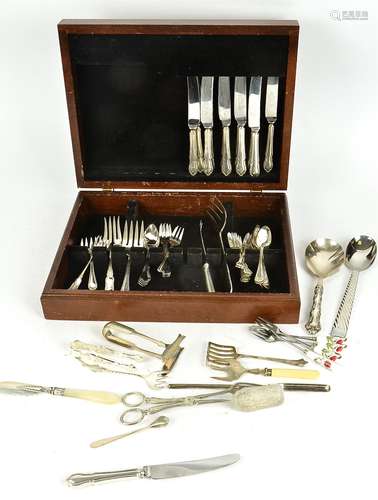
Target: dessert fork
[(218, 215), (234, 370), (235, 241), (129, 240), (174, 240), (107, 242), (222, 354)]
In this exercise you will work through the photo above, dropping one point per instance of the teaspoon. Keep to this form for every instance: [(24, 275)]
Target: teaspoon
[(262, 238), (360, 255)]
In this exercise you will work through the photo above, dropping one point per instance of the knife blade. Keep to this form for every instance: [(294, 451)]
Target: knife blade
[(194, 121), (224, 111), (207, 84), (240, 113), (254, 103), (271, 103), (161, 471)]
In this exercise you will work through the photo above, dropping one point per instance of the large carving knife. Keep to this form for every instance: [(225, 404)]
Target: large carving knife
[(240, 112), (194, 116), (271, 116), (162, 471), (254, 124), (224, 111), (207, 84)]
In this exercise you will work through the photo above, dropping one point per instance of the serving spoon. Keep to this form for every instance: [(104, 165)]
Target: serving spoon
[(360, 255), (323, 258)]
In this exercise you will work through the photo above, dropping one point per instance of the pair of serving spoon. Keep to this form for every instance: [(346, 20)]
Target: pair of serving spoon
[(324, 257)]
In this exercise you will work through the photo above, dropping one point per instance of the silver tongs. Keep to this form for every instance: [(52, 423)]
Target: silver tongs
[(115, 332)]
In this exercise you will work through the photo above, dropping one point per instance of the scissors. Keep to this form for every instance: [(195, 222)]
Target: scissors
[(136, 400)]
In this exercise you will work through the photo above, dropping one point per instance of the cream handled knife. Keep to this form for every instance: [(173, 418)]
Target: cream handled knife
[(254, 124), (207, 84), (162, 471), (240, 112), (271, 116), (224, 111), (194, 117)]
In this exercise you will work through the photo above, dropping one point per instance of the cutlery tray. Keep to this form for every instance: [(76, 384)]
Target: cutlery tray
[(128, 117)]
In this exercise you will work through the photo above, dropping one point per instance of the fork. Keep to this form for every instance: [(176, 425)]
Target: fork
[(218, 216), (222, 354), (234, 370), (107, 242), (165, 232), (174, 240), (235, 241), (92, 283)]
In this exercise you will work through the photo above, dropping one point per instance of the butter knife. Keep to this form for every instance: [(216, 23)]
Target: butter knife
[(254, 124), (240, 112), (161, 471), (194, 116), (207, 84), (271, 116), (224, 111)]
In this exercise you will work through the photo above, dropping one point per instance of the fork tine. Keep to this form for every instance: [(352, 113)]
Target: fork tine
[(130, 243), (181, 234), (105, 235), (136, 242), (119, 232), (141, 235), (124, 236), (110, 235)]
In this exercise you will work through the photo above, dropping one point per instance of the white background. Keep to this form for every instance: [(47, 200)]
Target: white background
[(315, 445)]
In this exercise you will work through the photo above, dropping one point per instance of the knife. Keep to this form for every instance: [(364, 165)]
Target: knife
[(194, 116), (240, 112), (254, 124), (271, 116), (207, 84), (162, 471), (224, 111)]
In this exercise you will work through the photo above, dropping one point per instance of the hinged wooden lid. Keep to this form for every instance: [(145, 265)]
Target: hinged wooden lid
[(127, 97)]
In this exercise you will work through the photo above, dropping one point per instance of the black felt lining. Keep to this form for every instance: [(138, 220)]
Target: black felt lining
[(132, 100)]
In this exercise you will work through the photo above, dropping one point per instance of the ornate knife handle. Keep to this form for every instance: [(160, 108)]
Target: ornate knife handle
[(199, 150), (313, 324), (226, 166), (97, 477), (268, 161), (193, 152), (254, 155), (208, 155), (240, 160)]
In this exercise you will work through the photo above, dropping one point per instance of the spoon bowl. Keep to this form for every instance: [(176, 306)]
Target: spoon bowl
[(360, 253)]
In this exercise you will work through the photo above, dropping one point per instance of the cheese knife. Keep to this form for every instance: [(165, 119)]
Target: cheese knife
[(254, 124), (162, 471), (240, 112), (224, 111), (207, 84), (194, 117), (271, 116)]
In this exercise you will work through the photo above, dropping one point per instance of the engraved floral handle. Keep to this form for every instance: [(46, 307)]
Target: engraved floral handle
[(92, 281), (254, 155), (126, 279), (261, 277), (193, 152), (208, 155), (268, 161), (226, 166), (109, 279), (199, 149), (240, 160), (313, 324)]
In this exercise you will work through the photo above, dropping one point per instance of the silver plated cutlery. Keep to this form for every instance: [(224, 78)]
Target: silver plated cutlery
[(206, 266), (254, 124), (224, 111), (207, 84), (194, 122), (271, 117), (150, 240), (240, 113)]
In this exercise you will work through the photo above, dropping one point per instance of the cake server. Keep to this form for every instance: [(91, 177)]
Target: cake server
[(240, 112), (224, 111), (254, 124), (271, 116), (161, 471), (194, 117), (207, 84)]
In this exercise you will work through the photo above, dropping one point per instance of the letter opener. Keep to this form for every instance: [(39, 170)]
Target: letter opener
[(271, 116), (162, 471), (224, 111), (254, 124), (207, 84), (240, 112)]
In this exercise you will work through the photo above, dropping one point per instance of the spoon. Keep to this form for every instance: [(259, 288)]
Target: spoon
[(151, 239), (360, 255), (158, 422), (262, 238), (323, 258)]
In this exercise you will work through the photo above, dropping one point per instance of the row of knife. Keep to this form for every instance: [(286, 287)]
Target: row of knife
[(200, 111)]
